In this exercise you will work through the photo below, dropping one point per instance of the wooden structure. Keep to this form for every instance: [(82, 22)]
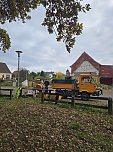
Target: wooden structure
[(5, 94), (73, 98)]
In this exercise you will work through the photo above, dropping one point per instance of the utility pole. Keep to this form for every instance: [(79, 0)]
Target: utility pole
[(19, 52)]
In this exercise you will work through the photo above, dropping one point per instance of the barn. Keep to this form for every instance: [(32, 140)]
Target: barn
[(86, 64)]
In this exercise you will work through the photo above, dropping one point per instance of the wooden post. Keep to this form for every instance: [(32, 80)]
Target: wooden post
[(34, 92), (42, 96), (110, 106), (11, 93), (56, 100), (49, 94), (0, 86), (72, 99)]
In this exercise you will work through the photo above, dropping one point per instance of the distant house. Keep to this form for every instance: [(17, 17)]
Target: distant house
[(51, 74), (15, 74), (5, 73), (86, 64)]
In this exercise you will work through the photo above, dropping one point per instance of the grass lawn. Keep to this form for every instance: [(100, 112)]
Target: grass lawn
[(28, 126)]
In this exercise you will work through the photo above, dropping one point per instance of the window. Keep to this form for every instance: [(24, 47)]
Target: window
[(2, 77), (7, 77), (88, 80)]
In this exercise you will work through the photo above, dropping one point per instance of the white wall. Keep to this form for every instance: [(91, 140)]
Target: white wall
[(5, 75), (86, 67)]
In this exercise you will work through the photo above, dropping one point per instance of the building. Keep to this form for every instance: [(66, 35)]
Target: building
[(5, 73), (86, 64), (51, 74)]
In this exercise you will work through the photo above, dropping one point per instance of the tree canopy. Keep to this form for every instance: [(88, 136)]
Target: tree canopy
[(60, 75), (61, 18)]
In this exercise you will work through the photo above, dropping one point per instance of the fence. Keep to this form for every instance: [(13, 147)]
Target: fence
[(73, 98)]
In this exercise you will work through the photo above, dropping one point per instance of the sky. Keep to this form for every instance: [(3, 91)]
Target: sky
[(41, 51)]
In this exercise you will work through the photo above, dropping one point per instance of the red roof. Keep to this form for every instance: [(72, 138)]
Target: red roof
[(82, 58), (104, 70)]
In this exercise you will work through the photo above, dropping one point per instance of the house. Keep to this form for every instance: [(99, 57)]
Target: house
[(15, 74), (5, 73), (86, 64), (51, 74)]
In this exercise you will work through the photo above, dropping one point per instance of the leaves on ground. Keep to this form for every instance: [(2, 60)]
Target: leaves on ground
[(28, 126)]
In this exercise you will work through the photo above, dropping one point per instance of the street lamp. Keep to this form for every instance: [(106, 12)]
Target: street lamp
[(18, 52)]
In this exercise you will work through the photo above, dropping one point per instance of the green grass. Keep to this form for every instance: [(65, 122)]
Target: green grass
[(27, 125), (74, 125), (85, 108)]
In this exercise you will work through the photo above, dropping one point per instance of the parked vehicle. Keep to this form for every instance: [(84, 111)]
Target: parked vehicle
[(84, 88)]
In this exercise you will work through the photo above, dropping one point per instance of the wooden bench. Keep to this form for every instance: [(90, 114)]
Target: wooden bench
[(9, 90)]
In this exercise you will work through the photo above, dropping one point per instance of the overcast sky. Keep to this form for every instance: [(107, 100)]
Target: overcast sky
[(41, 51)]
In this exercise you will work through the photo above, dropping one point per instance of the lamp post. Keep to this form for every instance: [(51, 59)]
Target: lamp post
[(18, 52)]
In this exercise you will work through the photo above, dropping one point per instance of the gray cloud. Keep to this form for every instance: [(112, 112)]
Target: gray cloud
[(42, 52)]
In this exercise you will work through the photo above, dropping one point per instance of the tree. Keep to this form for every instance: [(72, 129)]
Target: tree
[(42, 74), (60, 75), (61, 18), (23, 74), (32, 76)]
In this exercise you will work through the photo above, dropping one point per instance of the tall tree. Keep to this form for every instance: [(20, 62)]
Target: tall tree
[(23, 74), (32, 76), (61, 18), (60, 75), (42, 73)]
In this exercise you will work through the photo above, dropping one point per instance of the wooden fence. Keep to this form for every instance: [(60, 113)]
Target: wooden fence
[(73, 98)]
